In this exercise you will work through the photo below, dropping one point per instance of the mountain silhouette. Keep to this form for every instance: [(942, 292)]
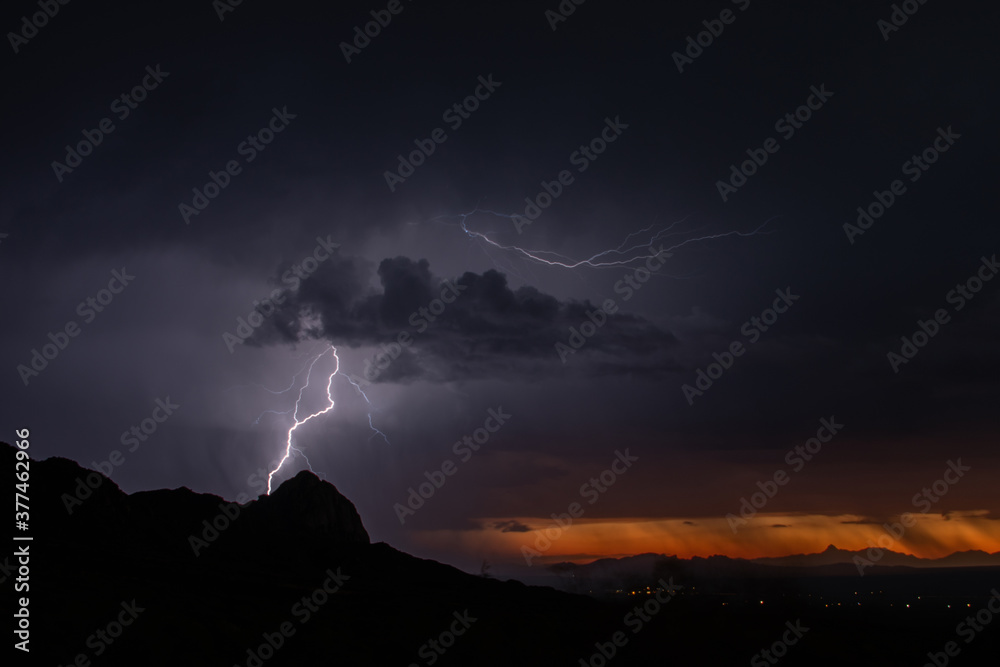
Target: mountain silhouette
[(214, 579)]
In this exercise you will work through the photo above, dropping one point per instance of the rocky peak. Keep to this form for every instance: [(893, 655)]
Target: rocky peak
[(307, 503)]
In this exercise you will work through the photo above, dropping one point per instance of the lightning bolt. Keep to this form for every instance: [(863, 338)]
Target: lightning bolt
[(365, 396), (299, 422), (308, 462), (307, 368), (622, 255), (256, 422), (275, 392)]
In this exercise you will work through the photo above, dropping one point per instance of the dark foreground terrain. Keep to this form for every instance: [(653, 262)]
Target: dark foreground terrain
[(292, 579)]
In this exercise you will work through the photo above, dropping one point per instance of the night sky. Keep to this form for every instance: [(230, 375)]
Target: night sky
[(272, 159)]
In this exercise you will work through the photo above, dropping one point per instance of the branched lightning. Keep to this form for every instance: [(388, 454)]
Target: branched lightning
[(275, 392), (288, 443), (308, 368), (623, 255), (308, 462), (365, 396), (256, 422), (295, 377)]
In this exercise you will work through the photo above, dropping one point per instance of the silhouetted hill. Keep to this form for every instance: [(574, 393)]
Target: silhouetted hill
[(213, 577), (305, 503)]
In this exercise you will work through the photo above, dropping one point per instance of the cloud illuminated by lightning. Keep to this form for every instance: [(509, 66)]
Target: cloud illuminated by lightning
[(626, 253)]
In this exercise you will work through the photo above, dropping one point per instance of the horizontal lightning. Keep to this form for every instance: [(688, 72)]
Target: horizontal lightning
[(622, 255)]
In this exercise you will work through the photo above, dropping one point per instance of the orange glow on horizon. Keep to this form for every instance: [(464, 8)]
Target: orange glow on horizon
[(766, 535)]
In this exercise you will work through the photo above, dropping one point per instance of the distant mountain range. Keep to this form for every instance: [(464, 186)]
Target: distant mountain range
[(830, 562), (832, 556)]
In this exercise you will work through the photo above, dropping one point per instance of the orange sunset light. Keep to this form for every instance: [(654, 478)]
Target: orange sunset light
[(766, 535)]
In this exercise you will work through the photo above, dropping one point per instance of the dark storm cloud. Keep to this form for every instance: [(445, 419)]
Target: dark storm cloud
[(473, 326)]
